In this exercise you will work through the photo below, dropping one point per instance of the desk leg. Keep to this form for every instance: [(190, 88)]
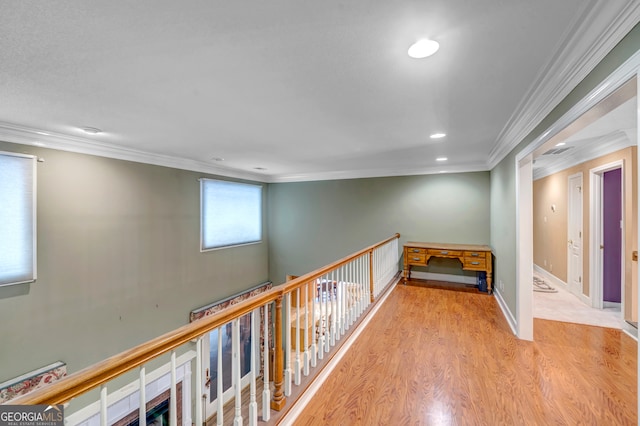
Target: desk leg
[(489, 287), (407, 273)]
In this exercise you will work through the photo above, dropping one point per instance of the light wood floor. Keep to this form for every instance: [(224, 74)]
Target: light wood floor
[(434, 356)]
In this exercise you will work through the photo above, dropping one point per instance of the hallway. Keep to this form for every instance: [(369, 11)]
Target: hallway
[(446, 355)]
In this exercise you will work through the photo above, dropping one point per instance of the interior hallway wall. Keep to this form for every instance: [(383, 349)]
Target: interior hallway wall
[(314, 223), (119, 262), (550, 237)]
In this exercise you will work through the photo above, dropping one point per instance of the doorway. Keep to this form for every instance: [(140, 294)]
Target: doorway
[(574, 234), (612, 231), (608, 230), (594, 105)]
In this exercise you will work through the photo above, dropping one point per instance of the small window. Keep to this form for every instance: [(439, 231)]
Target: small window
[(231, 213), (17, 218)]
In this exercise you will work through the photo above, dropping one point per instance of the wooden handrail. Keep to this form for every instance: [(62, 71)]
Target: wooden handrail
[(303, 279), (84, 380), (102, 372)]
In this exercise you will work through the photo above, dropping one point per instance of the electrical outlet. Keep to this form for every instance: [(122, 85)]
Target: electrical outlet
[(501, 285), (545, 262), (551, 267)]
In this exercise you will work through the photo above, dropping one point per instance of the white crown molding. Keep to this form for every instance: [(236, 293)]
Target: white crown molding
[(13, 133), (598, 147), (621, 75), (372, 173), (582, 49)]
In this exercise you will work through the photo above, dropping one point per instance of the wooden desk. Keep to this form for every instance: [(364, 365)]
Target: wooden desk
[(473, 257)]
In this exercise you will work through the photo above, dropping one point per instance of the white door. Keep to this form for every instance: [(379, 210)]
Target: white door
[(223, 338), (574, 234)]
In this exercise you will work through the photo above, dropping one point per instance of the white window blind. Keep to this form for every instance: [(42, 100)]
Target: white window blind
[(17, 218), (231, 213)]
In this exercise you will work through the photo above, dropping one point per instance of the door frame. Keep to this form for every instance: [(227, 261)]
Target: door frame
[(524, 185), (571, 212), (596, 266)]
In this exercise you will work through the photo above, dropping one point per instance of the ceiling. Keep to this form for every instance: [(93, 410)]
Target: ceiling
[(295, 90), (609, 126)]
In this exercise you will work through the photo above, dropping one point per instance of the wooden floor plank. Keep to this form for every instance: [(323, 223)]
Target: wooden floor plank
[(447, 356)]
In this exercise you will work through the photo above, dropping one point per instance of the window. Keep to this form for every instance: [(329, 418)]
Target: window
[(17, 218), (231, 213)]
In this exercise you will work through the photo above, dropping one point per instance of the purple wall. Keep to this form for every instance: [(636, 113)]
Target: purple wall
[(612, 215)]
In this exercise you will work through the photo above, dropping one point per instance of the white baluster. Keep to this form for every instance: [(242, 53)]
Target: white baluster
[(314, 324), (339, 299), (199, 384), (220, 400), (253, 404), (298, 362), (333, 308), (266, 391), (325, 315), (104, 414), (142, 410), (236, 371), (306, 329), (173, 398)]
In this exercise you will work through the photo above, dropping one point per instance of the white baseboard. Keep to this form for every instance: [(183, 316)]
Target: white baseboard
[(461, 279), (511, 320), (548, 276), (630, 330)]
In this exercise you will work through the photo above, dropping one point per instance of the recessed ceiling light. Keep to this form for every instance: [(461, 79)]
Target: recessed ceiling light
[(441, 159), (91, 130), (438, 135), (423, 48), (443, 171), (39, 144), (43, 133), (561, 144), (259, 168)]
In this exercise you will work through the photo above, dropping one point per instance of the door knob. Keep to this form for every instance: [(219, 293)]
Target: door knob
[(571, 242)]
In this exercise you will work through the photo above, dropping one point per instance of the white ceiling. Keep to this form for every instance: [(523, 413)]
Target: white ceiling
[(307, 90)]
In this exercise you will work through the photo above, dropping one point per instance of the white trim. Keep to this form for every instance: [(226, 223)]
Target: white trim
[(460, 279), (548, 276), (575, 58), (524, 245), (596, 232), (617, 78), (14, 133), (381, 172), (605, 145), (580, 270), (630, 330), (304, 399), (511, 320)]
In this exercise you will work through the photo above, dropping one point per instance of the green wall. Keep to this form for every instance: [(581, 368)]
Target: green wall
[(503, 190), (314, 223), (119, 262)]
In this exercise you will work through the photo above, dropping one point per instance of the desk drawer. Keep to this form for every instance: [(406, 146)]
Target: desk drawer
[(479, 263), (480, 254), (442, 252), (416, 259), (413, 250)]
